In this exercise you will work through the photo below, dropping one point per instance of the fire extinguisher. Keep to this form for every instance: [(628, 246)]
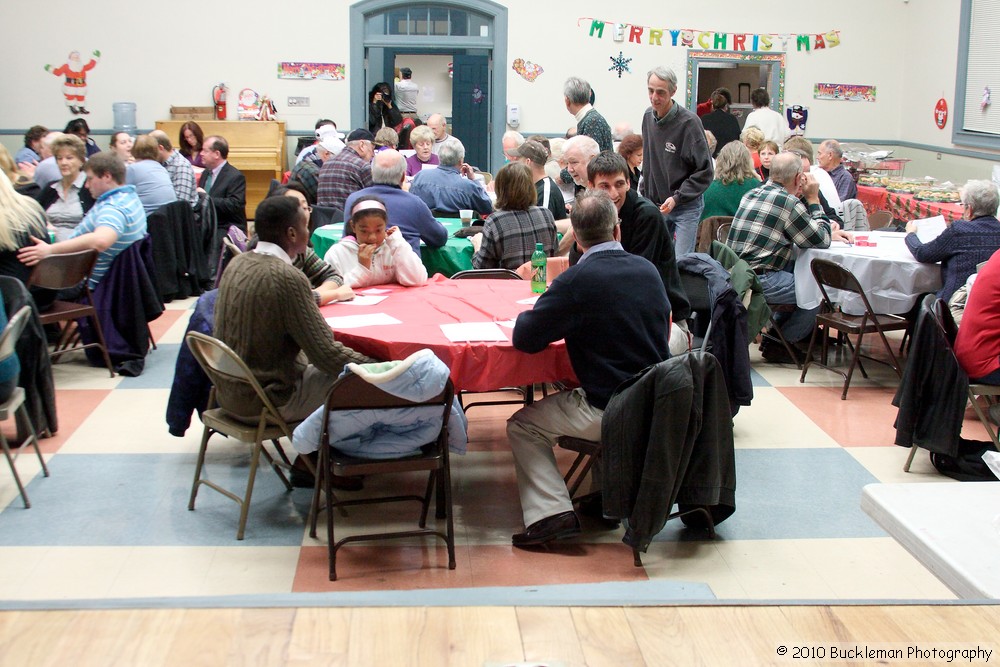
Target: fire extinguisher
[(219, 95)]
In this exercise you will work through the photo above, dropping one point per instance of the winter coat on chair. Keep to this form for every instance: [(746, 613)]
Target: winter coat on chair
[(668, 438), (394, 432)]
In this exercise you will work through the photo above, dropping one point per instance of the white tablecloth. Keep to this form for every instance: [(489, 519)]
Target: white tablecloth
[(890, 276)]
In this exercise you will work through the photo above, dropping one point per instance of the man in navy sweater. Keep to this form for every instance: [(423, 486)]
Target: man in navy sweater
[(612, 309)]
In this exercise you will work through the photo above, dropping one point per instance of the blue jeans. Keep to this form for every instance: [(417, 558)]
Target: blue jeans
[(779, 287), (683, 222)]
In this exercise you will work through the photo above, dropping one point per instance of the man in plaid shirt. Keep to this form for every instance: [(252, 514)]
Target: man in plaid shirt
[(180, 170), (306, 172), (347, 173), (770, 220)]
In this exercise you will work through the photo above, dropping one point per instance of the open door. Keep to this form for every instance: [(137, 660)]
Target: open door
[(470, 107)]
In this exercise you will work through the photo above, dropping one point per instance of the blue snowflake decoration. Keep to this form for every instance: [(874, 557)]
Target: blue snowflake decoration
[(620, 64)]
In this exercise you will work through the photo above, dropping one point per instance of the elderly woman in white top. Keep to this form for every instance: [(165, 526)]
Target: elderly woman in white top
[(66, 201)]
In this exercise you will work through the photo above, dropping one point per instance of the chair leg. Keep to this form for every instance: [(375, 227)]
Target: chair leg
[(426, 504), (245, 505), (13, 470), (809, 354), (200, 465), (33, 437), (781, 338), (445, 475), (909, 459), (984, 419), (855, 361), (277, 468), (104, 345)]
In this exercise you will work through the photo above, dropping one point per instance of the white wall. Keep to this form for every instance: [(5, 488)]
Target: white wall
[(430, 73), (905, 49)]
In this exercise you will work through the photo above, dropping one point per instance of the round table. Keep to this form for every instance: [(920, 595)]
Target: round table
[(454, 256), (475, 366), (889, 274)]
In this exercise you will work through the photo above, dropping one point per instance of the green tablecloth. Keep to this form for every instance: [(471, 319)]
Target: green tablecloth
[(454, 256)]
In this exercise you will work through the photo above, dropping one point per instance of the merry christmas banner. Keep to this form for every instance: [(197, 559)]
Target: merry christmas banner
[(707, 39)]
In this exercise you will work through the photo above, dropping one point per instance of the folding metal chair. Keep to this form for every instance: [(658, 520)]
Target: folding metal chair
[(15, 404), (60, 272), (220, 363), (831, 275), (352, 392)]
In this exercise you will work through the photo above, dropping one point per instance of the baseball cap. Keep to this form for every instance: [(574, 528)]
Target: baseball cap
[(331, 143), (328, 130), (360, 134), (532, 150)]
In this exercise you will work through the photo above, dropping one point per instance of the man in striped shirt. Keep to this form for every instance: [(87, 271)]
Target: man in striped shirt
[(116, 221), (771, 220)]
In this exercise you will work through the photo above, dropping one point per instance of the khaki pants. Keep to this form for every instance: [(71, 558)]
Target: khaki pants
[(532, 432)]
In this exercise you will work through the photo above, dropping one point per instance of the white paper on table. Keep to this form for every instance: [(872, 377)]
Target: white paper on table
[(358, 321), (531, 301), (363, 300), (375, 290), (427, 165), (506, 324), (470, 332), (929, 229), (336, 226), (992, 460)]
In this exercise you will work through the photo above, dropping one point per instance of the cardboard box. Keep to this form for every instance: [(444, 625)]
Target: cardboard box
[(192, 113)]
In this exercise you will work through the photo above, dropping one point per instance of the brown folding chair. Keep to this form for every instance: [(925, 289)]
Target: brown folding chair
[(527, 392), (722, 233), (220, 363), (879, 220), (15, 404), (352, 392), (831, 275), (708, 231), (60, 272)]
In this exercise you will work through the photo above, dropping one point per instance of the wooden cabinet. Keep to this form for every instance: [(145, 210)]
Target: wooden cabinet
[(257, 148)]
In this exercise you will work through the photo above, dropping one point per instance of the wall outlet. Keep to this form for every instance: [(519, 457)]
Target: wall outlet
[(939, 156), (298, 101)]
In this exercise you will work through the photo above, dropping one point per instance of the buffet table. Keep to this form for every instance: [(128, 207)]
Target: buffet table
[(889, 274), (420, 312), (454, 256), (904, 206)]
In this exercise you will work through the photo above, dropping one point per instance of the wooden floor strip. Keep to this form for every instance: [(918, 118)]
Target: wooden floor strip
[(488, 636)]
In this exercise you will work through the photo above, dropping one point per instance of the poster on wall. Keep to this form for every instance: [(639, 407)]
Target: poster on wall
[(844, 92), (74, 71), (528, 70), (306, 71)]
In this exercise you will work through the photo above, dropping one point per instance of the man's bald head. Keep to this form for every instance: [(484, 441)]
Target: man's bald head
[(388, 168)]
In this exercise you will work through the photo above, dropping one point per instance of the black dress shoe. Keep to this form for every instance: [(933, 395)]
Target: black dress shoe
[(555, 527)]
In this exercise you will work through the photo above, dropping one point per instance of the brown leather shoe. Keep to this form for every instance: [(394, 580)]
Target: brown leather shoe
[(555, 527)]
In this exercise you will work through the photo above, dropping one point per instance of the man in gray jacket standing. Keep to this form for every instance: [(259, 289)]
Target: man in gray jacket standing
[(677, 164)]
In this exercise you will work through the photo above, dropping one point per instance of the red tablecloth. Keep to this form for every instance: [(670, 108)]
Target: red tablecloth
[(475, 366), (905, 207)]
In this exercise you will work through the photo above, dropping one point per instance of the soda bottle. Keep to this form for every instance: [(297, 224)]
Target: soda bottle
[(538, 262)]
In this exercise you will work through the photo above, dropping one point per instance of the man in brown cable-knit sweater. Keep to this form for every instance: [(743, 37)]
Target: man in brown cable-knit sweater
[(267, 313)]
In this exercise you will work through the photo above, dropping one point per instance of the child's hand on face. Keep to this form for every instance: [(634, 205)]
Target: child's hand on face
[(365, 252), (392, 230)]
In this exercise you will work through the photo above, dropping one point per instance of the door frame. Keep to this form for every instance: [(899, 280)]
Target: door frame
[(775, 62), (494, 45)]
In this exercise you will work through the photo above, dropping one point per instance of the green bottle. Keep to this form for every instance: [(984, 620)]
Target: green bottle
[(538, 264)]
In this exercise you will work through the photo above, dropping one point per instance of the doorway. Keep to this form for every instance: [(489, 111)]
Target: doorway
[(740, 72), (470, 34)]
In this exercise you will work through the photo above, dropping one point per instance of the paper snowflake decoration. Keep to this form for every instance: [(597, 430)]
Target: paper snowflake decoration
[(620, 64)]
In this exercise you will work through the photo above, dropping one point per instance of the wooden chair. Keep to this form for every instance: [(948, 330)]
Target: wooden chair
[(527, 392), (15, 404), (879, 220), (220, 363), (60, 272), (831, 275), (352, 392)]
